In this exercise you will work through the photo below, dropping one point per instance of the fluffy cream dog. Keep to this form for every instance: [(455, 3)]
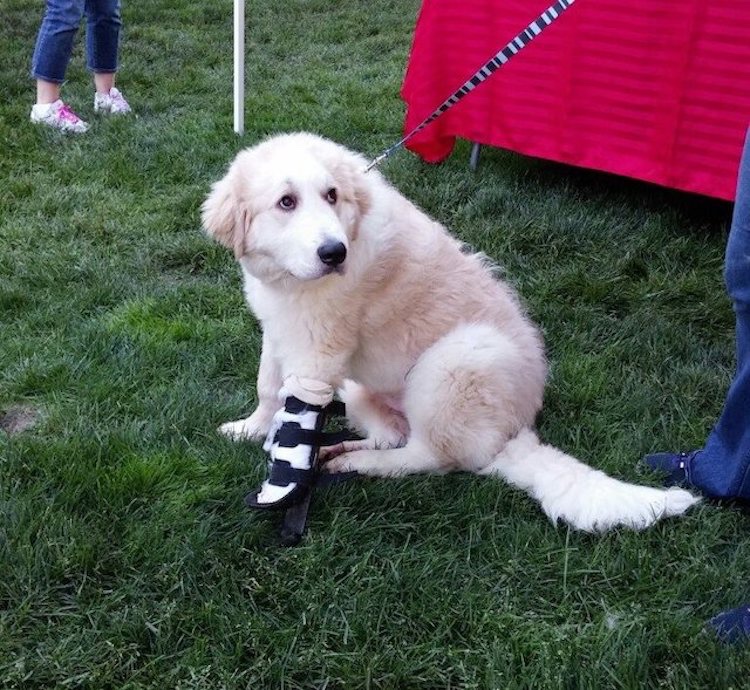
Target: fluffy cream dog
[(438, 364)]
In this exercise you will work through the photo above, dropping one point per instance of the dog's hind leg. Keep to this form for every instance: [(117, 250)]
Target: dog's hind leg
[(375, 415), (462, 403), (470, 392)]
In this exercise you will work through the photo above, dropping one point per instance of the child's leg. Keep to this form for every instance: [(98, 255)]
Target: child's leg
[(103, 25), (104, 81), (54, 45), (47, 91)]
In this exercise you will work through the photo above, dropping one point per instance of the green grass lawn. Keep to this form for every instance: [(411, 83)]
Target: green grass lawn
[(127, 559)]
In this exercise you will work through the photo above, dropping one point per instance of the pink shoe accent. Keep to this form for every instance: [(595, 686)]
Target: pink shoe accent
[(67, 115)]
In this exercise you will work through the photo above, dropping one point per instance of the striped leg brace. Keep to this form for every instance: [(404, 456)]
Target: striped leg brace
[(293, 444)]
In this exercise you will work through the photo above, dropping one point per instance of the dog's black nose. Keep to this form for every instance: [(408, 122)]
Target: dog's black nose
[(332, 253)]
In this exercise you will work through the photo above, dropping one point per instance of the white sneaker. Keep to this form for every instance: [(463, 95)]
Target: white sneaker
[(112, 103), (58, 116)]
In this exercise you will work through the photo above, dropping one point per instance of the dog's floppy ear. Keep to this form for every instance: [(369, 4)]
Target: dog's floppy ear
[(224, 215), (354, 185)]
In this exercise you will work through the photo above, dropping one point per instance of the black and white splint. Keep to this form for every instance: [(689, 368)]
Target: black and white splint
[(293, 443)]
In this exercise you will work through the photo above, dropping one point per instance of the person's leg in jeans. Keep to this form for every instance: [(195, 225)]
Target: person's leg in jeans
[(721, 469), (54, 46), (731, 436), (103, 25)]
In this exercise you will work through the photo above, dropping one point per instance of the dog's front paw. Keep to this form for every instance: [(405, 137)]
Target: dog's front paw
[(252, 428)]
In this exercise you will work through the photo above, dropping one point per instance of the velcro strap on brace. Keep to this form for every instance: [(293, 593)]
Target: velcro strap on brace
[(283, 474), (291, 434), (337, 408)]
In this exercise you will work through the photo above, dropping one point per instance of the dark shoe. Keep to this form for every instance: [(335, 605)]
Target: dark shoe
[(732, 626), (675, 467)]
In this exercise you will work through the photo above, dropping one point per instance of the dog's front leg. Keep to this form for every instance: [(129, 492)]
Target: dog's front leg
[(256, 426), (293, 443), (310, 379)]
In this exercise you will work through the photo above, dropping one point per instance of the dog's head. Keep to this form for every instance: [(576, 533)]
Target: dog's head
[(289, 207)]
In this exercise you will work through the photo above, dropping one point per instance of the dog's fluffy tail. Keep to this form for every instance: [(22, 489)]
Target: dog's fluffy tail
[(585, 498)]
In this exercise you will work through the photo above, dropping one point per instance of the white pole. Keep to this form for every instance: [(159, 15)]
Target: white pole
[(239, 66)]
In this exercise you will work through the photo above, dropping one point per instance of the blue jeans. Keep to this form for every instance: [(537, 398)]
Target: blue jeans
[(54, 44), (722, 468)]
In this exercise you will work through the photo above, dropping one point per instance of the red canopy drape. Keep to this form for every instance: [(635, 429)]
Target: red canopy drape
[(657, 90)]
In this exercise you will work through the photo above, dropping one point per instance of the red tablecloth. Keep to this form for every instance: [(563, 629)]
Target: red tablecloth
[(658, 90)]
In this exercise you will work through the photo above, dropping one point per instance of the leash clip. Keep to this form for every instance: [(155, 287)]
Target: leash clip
[(376, 161)]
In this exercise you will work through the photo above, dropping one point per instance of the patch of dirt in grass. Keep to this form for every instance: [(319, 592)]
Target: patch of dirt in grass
[(19, 418)]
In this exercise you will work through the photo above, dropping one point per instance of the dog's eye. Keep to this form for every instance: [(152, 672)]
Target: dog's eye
[(332, 196), (287, 202)]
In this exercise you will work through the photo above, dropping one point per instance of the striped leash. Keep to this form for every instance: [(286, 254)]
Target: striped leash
[(523, 39)]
